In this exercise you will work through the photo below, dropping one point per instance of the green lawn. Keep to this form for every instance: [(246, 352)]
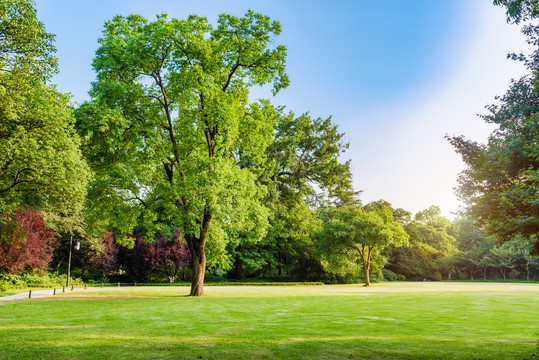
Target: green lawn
[(385, 321)]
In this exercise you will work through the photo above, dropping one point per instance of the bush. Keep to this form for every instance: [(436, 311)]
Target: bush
[(389, 275), (23, 281)]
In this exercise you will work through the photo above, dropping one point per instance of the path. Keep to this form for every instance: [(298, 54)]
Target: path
[(35, 294)]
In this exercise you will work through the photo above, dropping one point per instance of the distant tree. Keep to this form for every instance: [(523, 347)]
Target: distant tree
[(168, 256), (429, 243), (104, 255), (504, 257), (25, 242), (473, 246), (352, 234), (303, 159)]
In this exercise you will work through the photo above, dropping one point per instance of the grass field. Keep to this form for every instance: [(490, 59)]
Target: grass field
[(385, 321)]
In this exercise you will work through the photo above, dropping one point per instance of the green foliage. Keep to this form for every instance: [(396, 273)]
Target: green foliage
[(169, 117), (353, 236), (301, 159), (389, 275), (306, 152), (26, 49), (26, 280), (429, 250), (519, 10), (501, 182), (41, 164)]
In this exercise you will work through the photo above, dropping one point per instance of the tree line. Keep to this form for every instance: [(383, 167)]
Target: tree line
[(171, 165)]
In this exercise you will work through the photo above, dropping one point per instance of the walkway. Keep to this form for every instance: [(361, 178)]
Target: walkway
[(35, 294)]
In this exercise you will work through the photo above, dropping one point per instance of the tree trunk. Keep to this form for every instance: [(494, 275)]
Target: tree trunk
[(198, 259), (279, 264), (198, 256), (366, 260), (367, 269), (240, 271)]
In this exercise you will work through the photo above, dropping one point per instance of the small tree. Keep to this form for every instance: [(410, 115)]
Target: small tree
[(104, 259), (25, 241), (504, 257), (352, 234), (169, 256)]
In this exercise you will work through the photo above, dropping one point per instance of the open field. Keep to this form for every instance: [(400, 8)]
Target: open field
[(385, 321)]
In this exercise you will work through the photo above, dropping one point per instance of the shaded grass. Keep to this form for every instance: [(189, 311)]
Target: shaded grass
[(385, 321)]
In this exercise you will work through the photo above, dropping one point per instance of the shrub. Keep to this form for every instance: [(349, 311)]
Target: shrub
[(389, 275), (23, 281), (25, 242)]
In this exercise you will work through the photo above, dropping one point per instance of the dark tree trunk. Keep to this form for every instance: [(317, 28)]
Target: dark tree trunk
[(279, 264), (198, 259), (484, 272), (240, 271), (198, 256)]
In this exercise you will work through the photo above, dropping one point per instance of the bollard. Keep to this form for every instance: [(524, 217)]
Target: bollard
[(64, 289), (72, 287), (101, 285), (30, 294), (118, 284), (84, 286), (54, 291), (135, 283)]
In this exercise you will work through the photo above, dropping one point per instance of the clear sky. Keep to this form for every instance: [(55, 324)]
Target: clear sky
[(396, 76)]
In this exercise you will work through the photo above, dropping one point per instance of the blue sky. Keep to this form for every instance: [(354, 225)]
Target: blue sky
[(396, 76)]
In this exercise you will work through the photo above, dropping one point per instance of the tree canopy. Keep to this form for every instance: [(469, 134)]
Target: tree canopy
[(501, 182), (169, 117), (41, 164), (351, 234)]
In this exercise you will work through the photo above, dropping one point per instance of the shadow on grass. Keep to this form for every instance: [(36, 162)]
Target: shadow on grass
[(81, 346)]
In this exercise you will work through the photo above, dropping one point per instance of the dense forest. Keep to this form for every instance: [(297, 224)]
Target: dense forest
[(170, 173)]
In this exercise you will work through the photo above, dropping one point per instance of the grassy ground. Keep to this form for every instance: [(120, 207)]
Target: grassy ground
[(385, 321)]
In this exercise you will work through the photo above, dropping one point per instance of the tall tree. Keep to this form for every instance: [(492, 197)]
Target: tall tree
[(501, 182), (41, 165), (169, 115), (303, 158)]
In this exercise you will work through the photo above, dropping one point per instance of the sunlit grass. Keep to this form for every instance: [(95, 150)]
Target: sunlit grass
[(384, 321)]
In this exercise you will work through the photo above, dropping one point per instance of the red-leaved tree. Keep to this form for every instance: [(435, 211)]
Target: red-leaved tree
[(25, 241), (168, 256), (103, 258)]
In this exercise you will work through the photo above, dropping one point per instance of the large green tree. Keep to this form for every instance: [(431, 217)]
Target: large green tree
[(41, 165), (170, 118), (303, 159), (501, 182)]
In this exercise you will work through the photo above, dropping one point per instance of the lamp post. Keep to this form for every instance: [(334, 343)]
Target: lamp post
[(77, 247)]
